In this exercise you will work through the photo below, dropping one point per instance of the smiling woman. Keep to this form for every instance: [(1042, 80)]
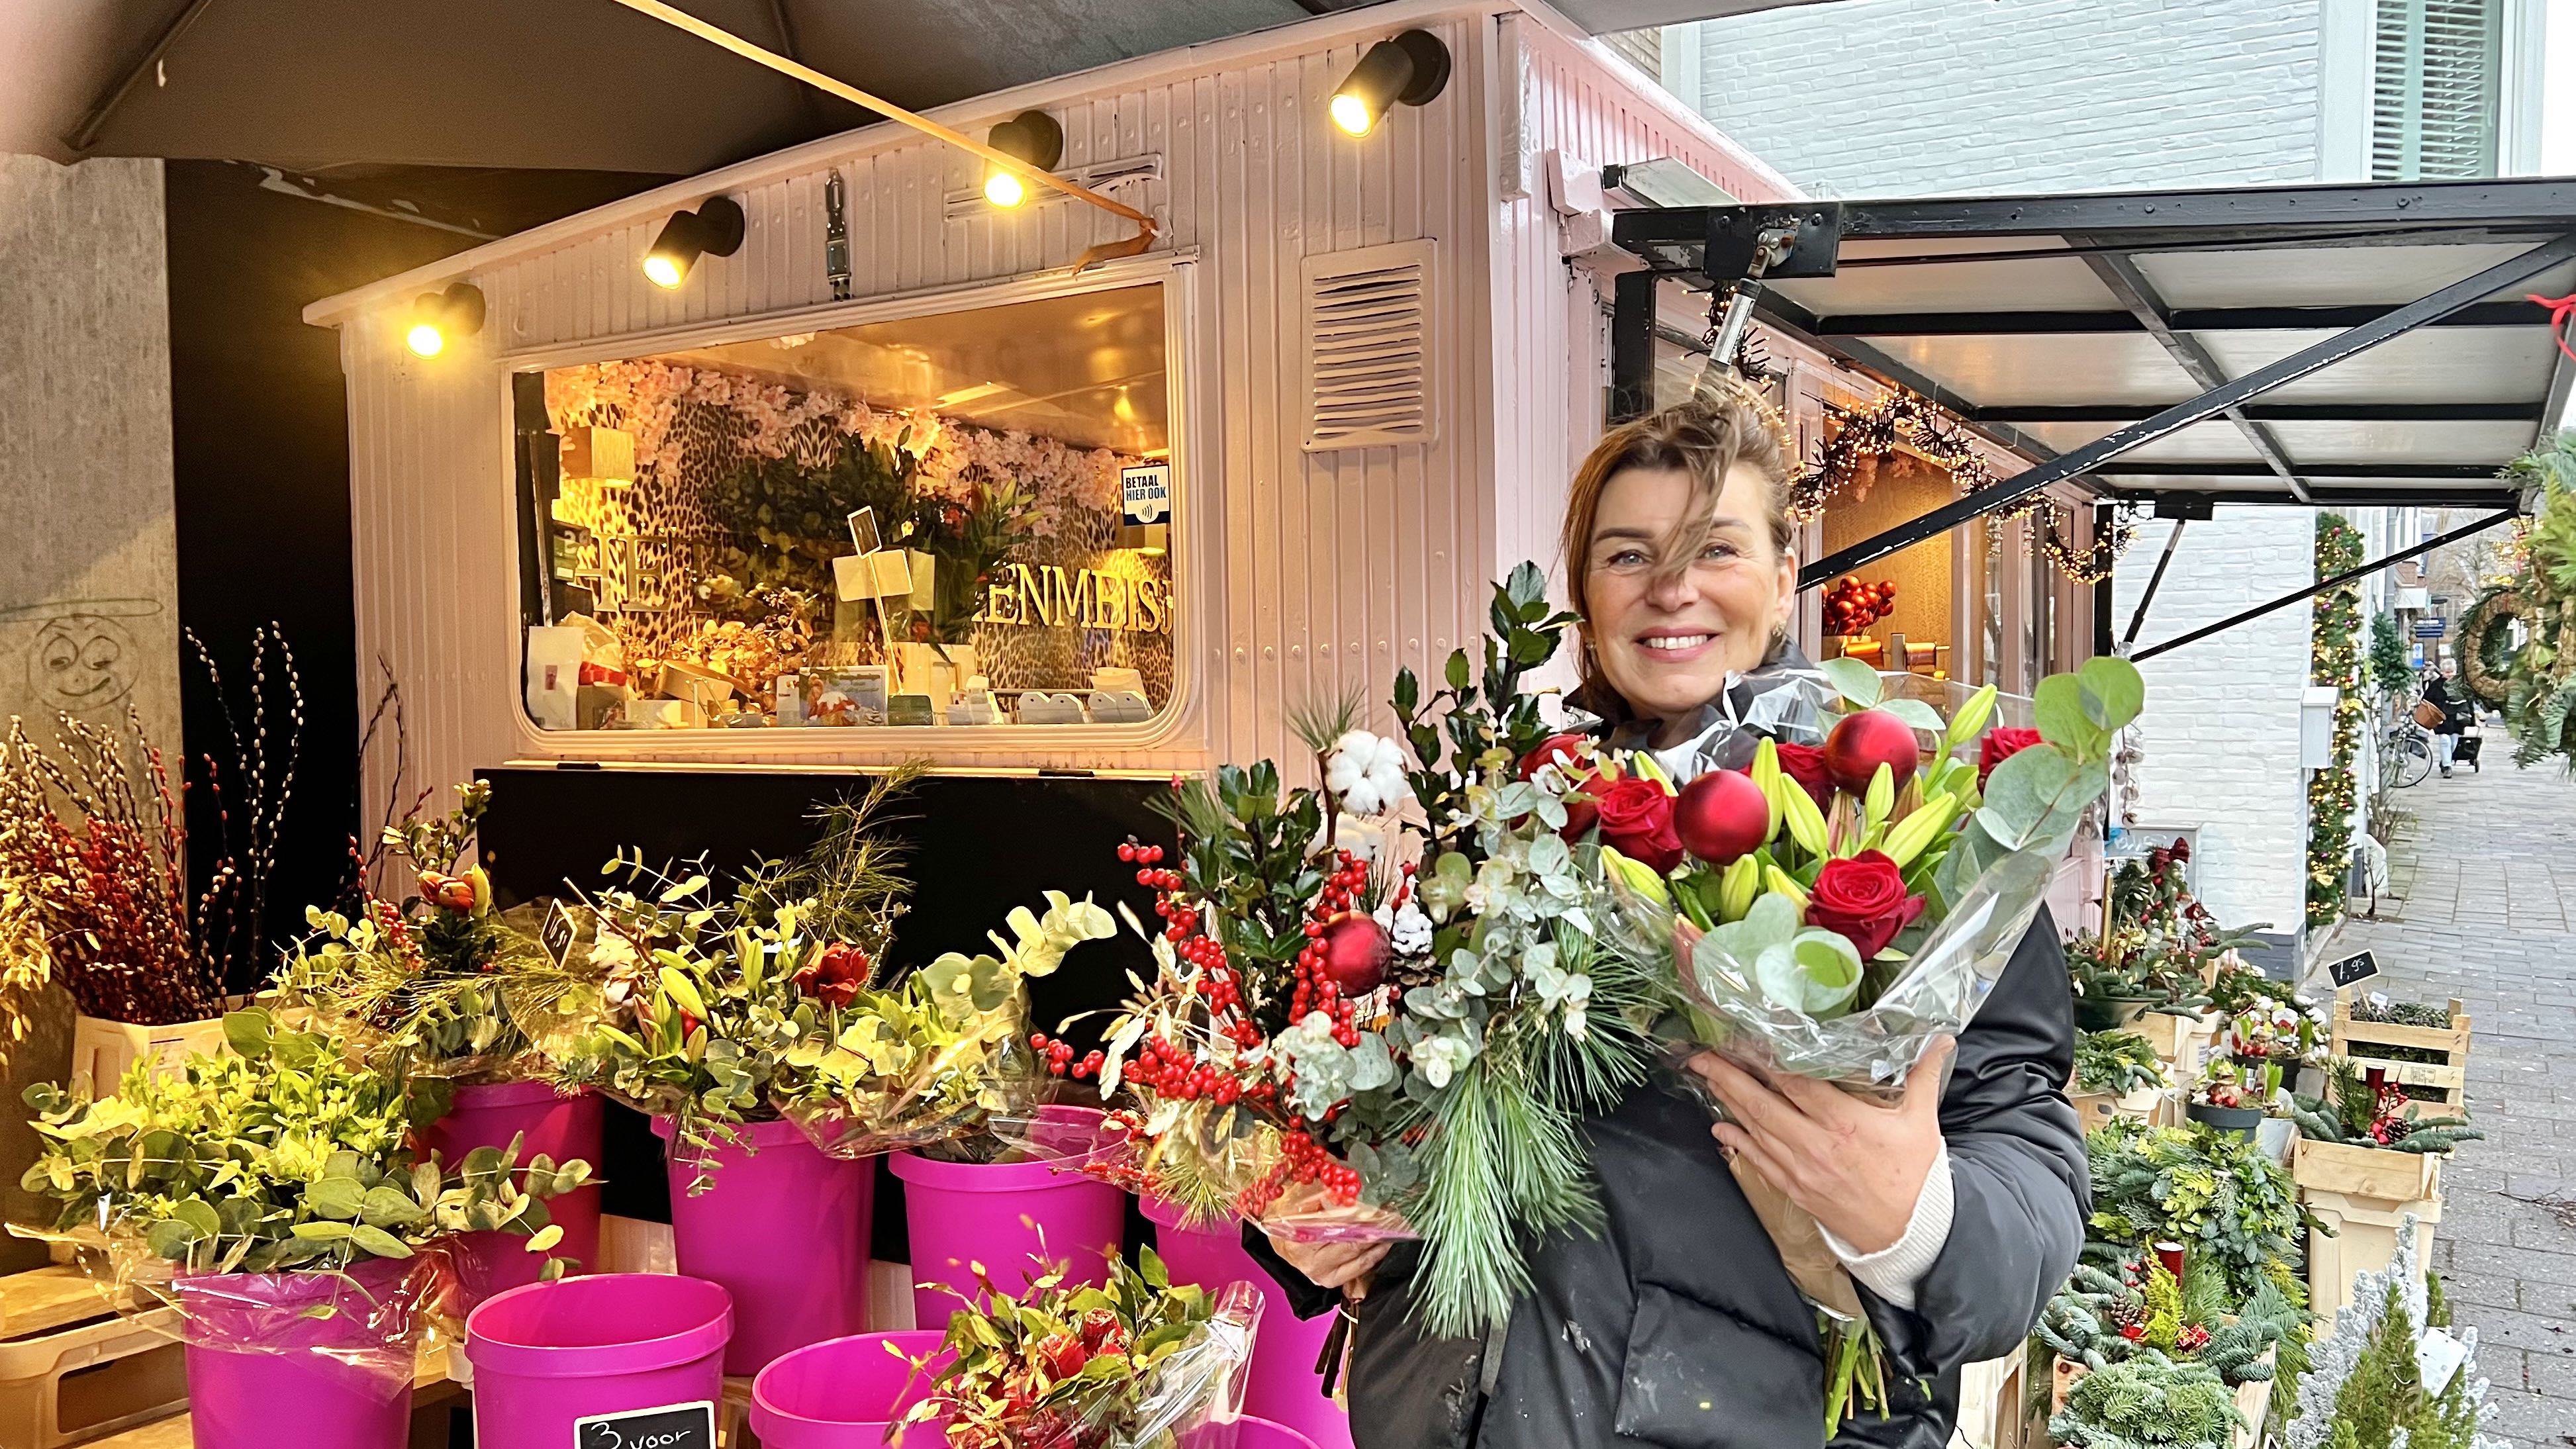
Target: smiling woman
[(1677, 549)]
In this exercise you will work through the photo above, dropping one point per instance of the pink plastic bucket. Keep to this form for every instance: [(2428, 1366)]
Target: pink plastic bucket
[(564, 1129), (1247, 1433), (850, 1393), (1283, 1384), (550, 1353), (785, 1230), (1005, 1216), (254, 1356)]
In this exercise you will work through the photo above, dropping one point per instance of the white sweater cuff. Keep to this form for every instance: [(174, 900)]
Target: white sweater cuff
[(1893, 1271)]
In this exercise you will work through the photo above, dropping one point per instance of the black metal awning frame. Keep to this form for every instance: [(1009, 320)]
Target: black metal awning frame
[(1731, 250)]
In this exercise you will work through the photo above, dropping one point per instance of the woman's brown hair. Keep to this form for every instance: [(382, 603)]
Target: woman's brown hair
[(1705, 439)]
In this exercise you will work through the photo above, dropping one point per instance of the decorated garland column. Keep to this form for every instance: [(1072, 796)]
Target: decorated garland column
[(2334, 658)]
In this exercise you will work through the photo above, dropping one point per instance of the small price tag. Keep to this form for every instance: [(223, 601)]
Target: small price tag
[(558, 933), (2438, 1356), (2352, 969), (673, 1426)]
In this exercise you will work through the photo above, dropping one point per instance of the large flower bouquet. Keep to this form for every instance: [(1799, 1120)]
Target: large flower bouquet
[(284, 1156), (1835, 909), (769, 1002), (430, 981), (1380, 1008), (1830, 912), (1129, 1365)]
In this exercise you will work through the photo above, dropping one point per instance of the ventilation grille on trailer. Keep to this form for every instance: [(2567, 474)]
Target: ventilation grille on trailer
[(1368, 346)]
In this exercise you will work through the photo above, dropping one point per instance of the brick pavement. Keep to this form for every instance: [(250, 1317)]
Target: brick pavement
[(2484, 875)]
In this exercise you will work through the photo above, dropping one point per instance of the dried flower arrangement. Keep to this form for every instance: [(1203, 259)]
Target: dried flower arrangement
[(93, 843)]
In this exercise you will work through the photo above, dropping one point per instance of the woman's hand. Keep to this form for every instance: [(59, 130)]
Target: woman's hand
[(1857, 1166), (1333, 1265), (1343, 1263)]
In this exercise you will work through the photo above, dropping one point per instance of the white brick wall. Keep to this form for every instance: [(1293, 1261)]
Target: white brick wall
[(2221, 728), (1899, 97)]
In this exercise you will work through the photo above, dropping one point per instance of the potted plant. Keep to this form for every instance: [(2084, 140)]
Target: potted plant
[(96, 843), (2366, 1163), (2215, 1194), (2231, 1094), (1015, 1192), (2117, 1073), (273, 1198), (432, 982), (757, 1028), (2369, 1385), (2125, 1304), (1130, 1362), (2148, 1402)]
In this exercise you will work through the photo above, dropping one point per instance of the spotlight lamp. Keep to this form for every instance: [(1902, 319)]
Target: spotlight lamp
[(1410, 70), (713, 230), (1032, 137), (438, 316)]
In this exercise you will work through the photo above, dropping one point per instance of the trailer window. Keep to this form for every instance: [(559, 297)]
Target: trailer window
[(956, 519)]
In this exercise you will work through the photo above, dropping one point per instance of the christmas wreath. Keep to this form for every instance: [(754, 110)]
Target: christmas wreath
[(2486, 645), (2540, 703)]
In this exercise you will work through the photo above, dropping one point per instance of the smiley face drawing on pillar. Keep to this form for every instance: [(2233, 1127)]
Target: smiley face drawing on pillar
[(80, 658)]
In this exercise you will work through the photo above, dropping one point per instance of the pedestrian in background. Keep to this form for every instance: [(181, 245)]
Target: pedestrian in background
[(2444, 693)]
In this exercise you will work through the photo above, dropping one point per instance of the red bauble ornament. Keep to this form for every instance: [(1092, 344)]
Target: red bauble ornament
[(1722, 816), (1356, 950), (1862, 742)]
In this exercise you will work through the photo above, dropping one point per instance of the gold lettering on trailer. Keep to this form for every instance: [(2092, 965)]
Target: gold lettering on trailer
[(1052, 596)]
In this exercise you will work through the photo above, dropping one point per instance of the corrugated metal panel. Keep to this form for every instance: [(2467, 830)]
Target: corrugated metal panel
[(1320, 573)]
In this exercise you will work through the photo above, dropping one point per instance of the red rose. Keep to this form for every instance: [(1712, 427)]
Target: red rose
[(2001, 744), (1806, 765), (1637, 821), (836, 975), (1862, 899)]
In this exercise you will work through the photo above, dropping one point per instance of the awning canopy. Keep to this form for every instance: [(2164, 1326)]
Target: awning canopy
[(2327, 345), (317, 85)]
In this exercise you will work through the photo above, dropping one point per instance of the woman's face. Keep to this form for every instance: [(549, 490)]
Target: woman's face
[(1668, 638)]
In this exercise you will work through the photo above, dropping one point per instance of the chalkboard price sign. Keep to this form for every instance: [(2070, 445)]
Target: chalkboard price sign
[(673, 1426), (2356, 967), (558, 932)]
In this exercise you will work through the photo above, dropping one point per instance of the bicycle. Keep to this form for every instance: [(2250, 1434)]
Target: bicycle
[(2408, 748)]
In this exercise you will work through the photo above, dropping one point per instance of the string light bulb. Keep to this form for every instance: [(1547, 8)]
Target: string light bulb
[(1031, 138), (1409, 70), (437, 316), (715, 229)]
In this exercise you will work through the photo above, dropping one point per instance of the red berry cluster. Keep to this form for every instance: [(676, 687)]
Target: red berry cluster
[(1302, 1159), (1172, 1071), (1316, 988)]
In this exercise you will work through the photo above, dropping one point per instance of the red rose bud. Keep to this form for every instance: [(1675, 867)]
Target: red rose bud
[(1999, 745), (1806, 765), (454, 892), (1722, 816), (1063, 1355), (1637, 821), (1863, 900), (1563, 751), (1862, 742), (1356, 951)]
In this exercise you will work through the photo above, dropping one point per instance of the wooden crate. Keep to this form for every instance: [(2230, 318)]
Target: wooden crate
[(2449, 1076), (72, 1367), (2092, 1109), (2253, 1400), (2363, 1194)]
